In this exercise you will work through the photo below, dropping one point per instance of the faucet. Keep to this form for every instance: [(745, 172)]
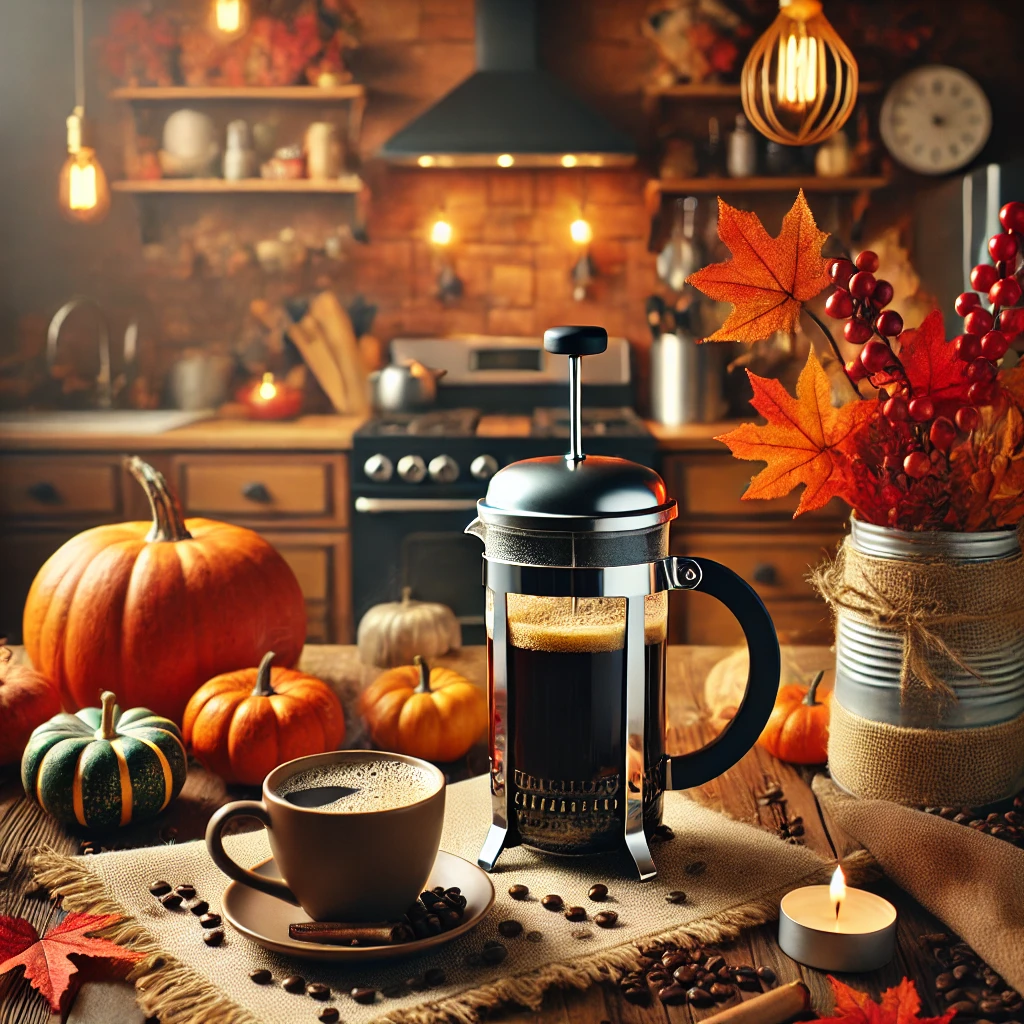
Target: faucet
[(104, 385)]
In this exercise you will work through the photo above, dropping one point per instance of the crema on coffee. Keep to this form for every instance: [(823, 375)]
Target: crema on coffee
[(358, 786)]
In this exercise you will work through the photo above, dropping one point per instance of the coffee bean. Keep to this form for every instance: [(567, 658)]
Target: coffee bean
[(575, 914), (672, 995), (494, 954), (956, 995), (721, 992), (598, 892), (676, 958), (992, 1006), (697, 867), (210, 920), (1009, 997), (295, 984), (637, 995), (453, 890), (552, 902), (685, 975), (434, 976), (962, 818), (962, 972), (657, 978), (474, 960), (319, 991), (329, 1015), (199, 907), (159, 888), (965, 1009), (714, 963), (699, 997), (214, 937), (365, 996), (261, 976), (947, 812), (186, 891), (417, 983), (534, 937), (606, 919), (519, 892), (944, 982), (935, 939), (767, 975), (676, 896), (171, 900), (510, 929), (582, 933)]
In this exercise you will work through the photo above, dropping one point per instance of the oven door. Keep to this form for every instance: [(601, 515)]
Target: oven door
[(418, 543)]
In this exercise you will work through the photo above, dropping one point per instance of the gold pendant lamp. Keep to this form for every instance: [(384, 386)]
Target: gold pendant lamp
[(799, 81)]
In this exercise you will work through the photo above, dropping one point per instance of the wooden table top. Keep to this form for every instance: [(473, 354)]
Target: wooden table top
[(23, 826)]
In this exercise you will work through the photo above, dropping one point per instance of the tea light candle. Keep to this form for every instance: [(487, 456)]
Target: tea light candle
[(835, 928), (271, 399)]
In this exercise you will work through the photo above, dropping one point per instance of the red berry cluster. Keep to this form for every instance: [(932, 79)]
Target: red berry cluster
[(922, 436)]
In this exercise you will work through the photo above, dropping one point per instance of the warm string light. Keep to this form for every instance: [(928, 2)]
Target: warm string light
[(799, 81), (837, 889)]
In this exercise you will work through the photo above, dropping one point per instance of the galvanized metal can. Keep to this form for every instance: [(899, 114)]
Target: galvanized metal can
[(869, 658)]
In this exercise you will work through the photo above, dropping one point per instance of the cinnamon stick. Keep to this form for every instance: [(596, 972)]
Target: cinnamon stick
[(342, 933), (774, 1007)]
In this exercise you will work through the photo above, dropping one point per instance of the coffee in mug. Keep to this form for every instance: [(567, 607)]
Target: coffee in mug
[(354, 833)]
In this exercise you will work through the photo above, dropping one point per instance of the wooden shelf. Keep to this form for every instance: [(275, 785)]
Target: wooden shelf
[(284, 93), (350, 183), (656, 188), (725, 90)]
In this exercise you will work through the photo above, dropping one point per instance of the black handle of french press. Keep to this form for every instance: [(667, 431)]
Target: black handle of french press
[(700, 766), (575, 342)]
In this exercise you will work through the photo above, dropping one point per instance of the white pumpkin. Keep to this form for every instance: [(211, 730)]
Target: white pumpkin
[(394, 633)]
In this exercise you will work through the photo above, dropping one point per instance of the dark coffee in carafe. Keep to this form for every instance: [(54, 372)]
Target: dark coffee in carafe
[(568, 717)]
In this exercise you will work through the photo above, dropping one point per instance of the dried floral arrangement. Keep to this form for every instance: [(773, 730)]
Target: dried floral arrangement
[(938, 442)]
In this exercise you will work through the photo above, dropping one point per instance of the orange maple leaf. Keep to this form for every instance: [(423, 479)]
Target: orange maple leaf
[(900, 1005), (805, 440), (768, 279)]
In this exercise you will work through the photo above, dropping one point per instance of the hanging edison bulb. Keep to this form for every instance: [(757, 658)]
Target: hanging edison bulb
[(230, 17), (83, 192), (799, 81)]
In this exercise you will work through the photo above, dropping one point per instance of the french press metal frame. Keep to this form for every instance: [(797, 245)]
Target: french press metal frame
[(634, 583)]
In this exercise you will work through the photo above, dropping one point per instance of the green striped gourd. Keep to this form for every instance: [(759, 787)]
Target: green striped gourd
[(100, 768)]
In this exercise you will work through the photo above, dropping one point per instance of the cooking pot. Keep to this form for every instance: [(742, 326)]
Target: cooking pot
[(405, 386)]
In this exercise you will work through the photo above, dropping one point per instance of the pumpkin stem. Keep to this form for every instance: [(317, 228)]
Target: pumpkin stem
[(263, 687), (406, 595), (424, 686), (811, 699), (109, 702), (168, 524)]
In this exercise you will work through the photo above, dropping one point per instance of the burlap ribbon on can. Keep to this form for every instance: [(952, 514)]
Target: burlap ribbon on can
[(950, 616)]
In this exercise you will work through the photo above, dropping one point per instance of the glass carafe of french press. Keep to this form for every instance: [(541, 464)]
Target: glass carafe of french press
[(577, 571)]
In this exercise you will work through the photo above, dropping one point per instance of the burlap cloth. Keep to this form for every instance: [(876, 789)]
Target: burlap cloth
[(974, 883), (748, 871)]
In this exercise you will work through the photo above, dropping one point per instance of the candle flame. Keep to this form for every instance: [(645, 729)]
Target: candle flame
[(837, 888), (268, 389)]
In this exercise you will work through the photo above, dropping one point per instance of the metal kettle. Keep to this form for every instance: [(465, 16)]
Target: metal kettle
[(577, 570), (405, 386)]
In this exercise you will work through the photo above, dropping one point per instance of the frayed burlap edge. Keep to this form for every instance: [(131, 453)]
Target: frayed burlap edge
[(167, 989)]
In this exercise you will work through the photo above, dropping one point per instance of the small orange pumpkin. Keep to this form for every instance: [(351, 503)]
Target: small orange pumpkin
[(435, 714), (26, 700), (797, 729), (243, 724)]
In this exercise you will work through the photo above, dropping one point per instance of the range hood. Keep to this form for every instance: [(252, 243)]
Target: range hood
[(509, 112)]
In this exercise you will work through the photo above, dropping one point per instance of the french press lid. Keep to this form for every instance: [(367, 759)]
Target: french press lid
[(576, 493)]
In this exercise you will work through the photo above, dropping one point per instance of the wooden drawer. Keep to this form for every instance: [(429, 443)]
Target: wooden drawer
[(708, 486), (60, 487), (306, 489)]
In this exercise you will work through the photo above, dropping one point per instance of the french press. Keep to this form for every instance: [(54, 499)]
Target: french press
[(577, 572)]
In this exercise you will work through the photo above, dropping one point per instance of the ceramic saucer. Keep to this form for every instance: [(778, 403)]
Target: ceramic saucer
[(265, 919)]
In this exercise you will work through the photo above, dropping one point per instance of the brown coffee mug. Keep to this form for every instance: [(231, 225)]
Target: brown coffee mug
[(339, 865)]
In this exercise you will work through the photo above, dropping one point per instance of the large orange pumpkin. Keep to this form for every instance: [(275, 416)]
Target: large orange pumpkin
[(153, 610), (243, 724), (797, 729), (26, 700), (435, 714)]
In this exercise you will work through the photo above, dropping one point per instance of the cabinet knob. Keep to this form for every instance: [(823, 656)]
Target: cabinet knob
[(45, 493), (257, 492), (765, 572)]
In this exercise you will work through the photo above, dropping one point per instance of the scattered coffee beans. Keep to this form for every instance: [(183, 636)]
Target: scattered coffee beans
[(210, 920), (318, 991), (199, 908), (534, 937), (294, 984), (767, 975), (966, 983), (214, 937), (720, 992), (159, 888), (575, 914), (261, 976), (186, 891), (676, 896), (329, 1015), (599, 892), (510, 929), (171, 900), (662, 834), (519, 892), (364, 996), (1008, 826), (697, 867), (699, 997), (672, 995), (606, 919), (552, 902), (686, 975), (714, 963), (494, 952)]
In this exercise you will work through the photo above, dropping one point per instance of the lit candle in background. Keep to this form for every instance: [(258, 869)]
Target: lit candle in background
[(837, 928)]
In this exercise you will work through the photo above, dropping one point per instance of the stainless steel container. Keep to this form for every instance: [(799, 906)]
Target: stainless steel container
[(869, 658), (686, 380)]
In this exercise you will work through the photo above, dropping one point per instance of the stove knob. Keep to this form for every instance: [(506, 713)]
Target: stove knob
[(443, 469), (378, 468), (483, 467), (412, 469)]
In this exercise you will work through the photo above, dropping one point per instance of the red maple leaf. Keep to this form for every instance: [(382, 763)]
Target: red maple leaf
[(47, 963), (900, 1005), (932, 366)]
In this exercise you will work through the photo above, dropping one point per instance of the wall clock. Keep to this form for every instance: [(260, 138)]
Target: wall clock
[(935, 119)]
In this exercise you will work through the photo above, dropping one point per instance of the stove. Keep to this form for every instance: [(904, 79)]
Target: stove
[(416, 477)]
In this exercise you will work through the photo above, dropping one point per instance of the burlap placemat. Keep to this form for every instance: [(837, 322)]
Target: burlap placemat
[(973, 882), (747, 872)]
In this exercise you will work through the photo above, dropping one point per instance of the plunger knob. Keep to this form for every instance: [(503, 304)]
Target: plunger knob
[(575, 341)]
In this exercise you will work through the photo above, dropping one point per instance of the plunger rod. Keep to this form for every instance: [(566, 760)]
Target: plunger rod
[(575, 410)]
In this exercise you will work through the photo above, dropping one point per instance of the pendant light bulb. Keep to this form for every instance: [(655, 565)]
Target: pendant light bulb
[(581, 232), (799, 81), (230, 17), (441, 232)]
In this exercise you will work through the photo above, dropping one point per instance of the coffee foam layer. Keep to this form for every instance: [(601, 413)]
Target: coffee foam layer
[(595, 625), (379, 784)]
